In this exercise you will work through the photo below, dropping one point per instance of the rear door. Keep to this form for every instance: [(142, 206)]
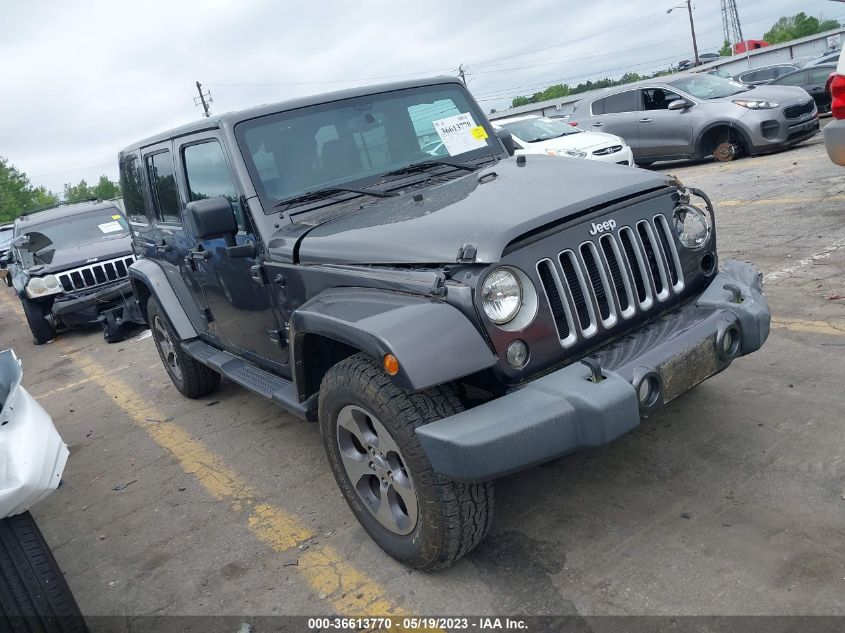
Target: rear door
[(238, 300), (663, 132), (617, 114)]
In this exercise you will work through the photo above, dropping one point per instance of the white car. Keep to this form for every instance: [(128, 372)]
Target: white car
[(32, 459), (534, 134)]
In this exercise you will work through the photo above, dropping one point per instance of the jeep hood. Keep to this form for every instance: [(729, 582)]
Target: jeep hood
[(487, 209), (53, 260)]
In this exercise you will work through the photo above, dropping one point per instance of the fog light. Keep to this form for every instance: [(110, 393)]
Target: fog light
[(517, 354)]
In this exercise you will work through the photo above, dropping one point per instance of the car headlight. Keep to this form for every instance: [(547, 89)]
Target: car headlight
[(571, 153), (501, 296), (756, 105), (691, 226), (43, 286)]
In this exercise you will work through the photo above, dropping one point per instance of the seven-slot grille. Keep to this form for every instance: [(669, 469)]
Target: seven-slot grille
[(611, 278), (795, 111), (93, 275)]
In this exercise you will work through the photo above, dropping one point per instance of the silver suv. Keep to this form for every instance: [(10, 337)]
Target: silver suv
[(698, 115)]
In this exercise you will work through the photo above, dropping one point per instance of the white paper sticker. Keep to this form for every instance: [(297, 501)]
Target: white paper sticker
[(110, 227), (460, 134)]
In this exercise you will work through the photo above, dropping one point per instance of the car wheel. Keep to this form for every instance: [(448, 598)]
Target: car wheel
[(42, 330), (190, 377), (368, 425), (33, 591)]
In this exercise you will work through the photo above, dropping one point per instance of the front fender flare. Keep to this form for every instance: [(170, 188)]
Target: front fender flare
[(433, 341), (148, 278)]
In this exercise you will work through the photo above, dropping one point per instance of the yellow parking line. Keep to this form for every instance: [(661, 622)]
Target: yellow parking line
[(832, 328), (771, 201), (350, 592)]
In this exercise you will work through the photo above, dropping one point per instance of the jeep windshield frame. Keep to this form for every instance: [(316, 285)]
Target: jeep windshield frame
[(367, 141)]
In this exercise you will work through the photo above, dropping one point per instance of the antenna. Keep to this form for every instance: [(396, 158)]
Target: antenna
[(730, 23), (204, 98)]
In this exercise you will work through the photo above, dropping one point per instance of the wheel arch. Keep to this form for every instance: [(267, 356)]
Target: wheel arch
[(148, 279), (432, 340), (707, 139)]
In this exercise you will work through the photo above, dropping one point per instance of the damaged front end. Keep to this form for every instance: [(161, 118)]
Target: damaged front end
[(32, 454)]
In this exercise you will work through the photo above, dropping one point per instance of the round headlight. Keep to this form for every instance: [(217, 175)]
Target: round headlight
[(691, 226), (501, 296), (36, 286), (51, 282)]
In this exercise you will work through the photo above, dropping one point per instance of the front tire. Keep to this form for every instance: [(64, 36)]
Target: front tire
[(190, 377), (42, 330), (368, 425), (33, 591)]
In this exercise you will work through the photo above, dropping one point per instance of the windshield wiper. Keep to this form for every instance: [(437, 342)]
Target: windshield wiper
[(332, 191), (423, 166)]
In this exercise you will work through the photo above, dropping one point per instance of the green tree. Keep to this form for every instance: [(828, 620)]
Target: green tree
[(17, 194), (726, 50), (799, 25), (106, 189), (80, 191)]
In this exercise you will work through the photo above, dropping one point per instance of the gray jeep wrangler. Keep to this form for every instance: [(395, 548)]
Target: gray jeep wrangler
[(446, 319)]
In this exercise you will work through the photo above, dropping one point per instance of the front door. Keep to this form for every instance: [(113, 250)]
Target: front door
[(663, 132), (239, 305)]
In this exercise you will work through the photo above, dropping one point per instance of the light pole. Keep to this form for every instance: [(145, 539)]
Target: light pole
[(691, 27)]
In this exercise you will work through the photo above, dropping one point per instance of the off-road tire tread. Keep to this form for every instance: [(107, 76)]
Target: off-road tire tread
[(467, 508), (34, 596), (197, 379)]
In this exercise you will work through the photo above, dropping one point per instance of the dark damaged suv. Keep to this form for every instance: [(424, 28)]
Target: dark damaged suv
[(68, 264), (448, 319)]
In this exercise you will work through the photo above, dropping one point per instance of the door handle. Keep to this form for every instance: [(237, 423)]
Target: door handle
[(598, 124), (645, 120)]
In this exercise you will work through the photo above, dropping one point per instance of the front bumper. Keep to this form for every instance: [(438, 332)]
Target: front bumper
[(565, 411), (790, 133), (87, 309)]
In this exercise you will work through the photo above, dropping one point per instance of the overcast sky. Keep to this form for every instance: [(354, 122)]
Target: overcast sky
[(82, 79)]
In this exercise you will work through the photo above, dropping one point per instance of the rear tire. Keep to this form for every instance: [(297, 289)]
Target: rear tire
[(417, 516), (190, 377), (42, 330), (34, 595)]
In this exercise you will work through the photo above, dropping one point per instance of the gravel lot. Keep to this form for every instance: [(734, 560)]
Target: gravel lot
[(729, 501)]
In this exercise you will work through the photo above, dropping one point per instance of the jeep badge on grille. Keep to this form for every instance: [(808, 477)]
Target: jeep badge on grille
[(595, 229)]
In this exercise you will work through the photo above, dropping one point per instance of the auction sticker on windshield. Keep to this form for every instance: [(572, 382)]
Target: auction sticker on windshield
[(110, 227), (460, 134)]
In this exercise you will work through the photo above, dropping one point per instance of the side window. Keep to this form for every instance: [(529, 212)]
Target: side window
[(208, 175), (598, 106), (130, 185), (163, 187), (795, 79), (658, 98), (819, 75), (622, 102), (780, 71)]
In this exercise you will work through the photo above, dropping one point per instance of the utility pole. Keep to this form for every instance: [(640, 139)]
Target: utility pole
[(204, 99), (462, 73), (692, 30)]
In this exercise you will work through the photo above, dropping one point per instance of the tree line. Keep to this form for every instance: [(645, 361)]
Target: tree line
[(18, 195), (784, 30)]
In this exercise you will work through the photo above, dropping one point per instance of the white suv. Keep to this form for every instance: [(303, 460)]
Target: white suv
[(533, 134)]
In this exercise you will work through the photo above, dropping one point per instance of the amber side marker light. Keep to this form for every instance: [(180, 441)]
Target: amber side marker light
[(391, 364)]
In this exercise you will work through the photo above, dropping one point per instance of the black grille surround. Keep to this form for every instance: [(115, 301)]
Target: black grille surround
[(595, 286), (799, 110)]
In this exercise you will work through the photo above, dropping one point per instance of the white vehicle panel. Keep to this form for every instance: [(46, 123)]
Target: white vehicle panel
[(32, 454)]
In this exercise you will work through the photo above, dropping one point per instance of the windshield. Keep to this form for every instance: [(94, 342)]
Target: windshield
[(94, 226), (539, 129), (706, 86), (359, 140)]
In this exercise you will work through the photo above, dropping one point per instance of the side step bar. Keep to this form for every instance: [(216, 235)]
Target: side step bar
[(262, 382)]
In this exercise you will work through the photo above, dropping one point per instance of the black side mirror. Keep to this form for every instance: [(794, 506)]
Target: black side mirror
[(507, 141), (213, 217), (679, 104)]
